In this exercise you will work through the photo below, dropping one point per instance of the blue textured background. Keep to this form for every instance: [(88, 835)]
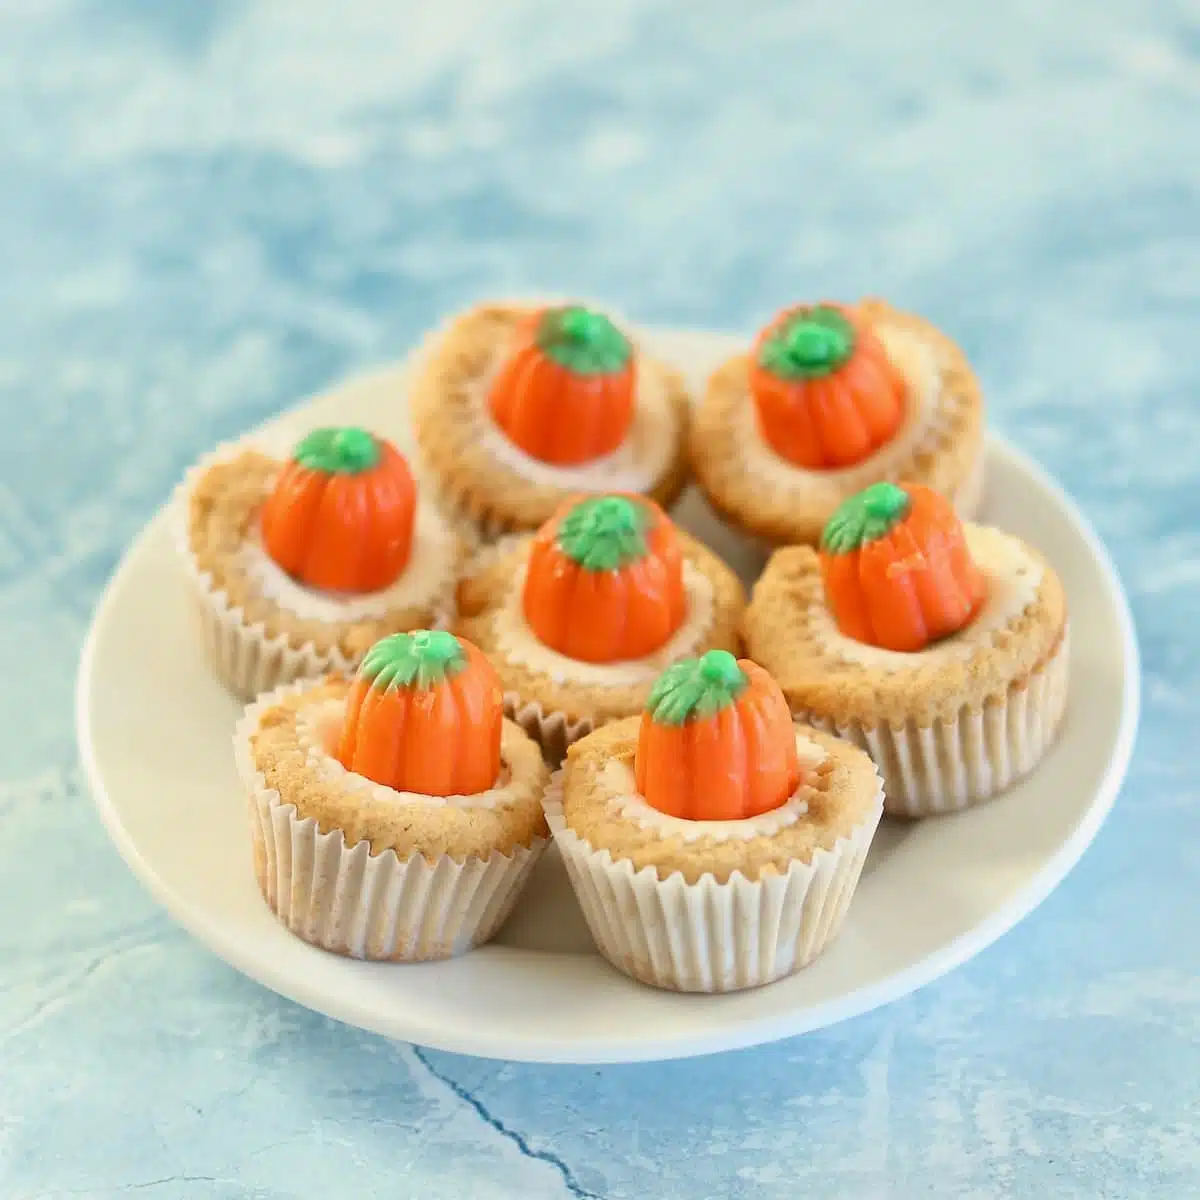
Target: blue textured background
[(208, 210)]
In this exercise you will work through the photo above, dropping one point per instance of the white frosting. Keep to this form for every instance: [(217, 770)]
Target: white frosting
[(427, 574), (318, 726), (520, 645), (636, 465), (925, 414), (1013, 577), (626, 800)]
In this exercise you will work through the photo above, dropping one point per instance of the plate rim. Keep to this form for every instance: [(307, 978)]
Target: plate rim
[(952, 954)]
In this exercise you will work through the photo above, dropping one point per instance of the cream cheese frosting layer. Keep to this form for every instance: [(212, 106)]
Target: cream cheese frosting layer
[(629, 803), (924, 420), (641, 460), (1013, 576), (318, 725), (426, 577)]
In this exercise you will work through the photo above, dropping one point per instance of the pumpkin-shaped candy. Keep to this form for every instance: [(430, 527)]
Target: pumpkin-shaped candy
[(424, 715), (340, 516), (716, 741), (826, 393), (604, 580), (896, 568), (565, 392)]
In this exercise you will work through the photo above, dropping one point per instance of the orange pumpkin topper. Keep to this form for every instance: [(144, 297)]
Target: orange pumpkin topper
[(826, 392), (341, 514), (424, 715), (896, 568), (716, 741), (604, 580), (565, 393)]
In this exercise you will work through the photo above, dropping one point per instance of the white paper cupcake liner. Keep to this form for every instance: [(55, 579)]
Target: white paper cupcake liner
[(552, 731), (487, 554), (242, 655), (950, 765), (378, 907), (709, 936)]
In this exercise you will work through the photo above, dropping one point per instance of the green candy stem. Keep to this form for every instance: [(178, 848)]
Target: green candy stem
[(419, 660), (604, 533), (865, 517), (808, 344), (583, 340), (696, 688), (338, 451)]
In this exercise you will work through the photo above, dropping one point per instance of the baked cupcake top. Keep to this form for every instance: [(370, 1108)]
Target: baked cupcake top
[(332, 547), (829, 399), (905, 612), (518, 406), (414, 755), (585, 614), (713, 778)]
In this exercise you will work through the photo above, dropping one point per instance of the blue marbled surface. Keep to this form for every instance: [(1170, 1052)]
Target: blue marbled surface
[(207, 210)]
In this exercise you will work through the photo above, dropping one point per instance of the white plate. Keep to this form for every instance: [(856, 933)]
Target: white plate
[(154, 731)]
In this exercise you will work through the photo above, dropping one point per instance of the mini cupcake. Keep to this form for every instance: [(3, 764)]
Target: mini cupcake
[(581, 618), (517, 408), (939, 647), (296, 568), (712, 844), (395, 816), (830, 400)]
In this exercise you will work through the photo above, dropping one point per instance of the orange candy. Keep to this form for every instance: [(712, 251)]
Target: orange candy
[(424, 715), (604, 581), (896, 568), (716, 741), (565, 393), (826, 393), (342, 512)]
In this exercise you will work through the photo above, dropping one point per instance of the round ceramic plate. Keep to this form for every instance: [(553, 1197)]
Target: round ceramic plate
[(156, 745)]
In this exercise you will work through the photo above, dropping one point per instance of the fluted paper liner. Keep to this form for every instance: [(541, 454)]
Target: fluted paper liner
[(380, 907), (950, 765), (709, 936), (489, 527), (488, 553), (245, 659), (553, 731)]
